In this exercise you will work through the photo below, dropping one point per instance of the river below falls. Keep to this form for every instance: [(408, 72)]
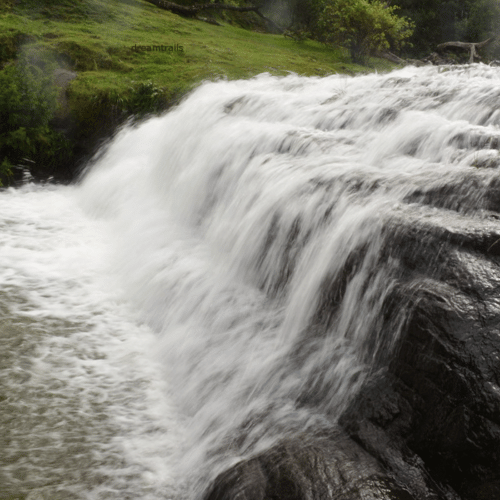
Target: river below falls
[(214, 281)]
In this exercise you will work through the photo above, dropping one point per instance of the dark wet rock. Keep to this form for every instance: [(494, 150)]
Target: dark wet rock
[(426, 425), (433, 416), (438, 60), (301, 468)]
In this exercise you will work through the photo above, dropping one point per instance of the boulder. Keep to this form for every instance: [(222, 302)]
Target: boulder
[(306, 468)]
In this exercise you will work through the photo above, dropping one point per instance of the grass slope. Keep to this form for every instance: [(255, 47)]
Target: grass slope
[(95, 39)]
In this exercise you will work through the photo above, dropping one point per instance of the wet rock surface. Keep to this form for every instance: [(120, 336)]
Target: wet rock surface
[(435, 411), (426, 425), (326, 468)]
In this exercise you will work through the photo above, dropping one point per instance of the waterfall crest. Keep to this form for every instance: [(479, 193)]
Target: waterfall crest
[(256, 223), (231, 274)]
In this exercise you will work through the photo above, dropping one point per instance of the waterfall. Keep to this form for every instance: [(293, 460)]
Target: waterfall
[(226, 275)]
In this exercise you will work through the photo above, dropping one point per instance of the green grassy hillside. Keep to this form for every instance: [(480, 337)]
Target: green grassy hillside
[(132, 58)]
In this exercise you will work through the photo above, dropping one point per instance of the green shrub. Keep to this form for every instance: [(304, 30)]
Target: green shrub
[(147, 98), (28, 101), (6, 5), (364, 27)]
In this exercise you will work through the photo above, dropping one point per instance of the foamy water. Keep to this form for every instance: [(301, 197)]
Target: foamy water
[(84, 413), (218, 279)]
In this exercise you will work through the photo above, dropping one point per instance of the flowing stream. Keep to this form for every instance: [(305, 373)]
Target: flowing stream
[(219, 278)]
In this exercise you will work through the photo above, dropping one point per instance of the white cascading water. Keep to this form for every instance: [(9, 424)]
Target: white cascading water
[(214, 283)]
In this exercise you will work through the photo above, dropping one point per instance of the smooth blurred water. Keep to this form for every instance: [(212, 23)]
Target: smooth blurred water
[(217, 280), (83, 412)]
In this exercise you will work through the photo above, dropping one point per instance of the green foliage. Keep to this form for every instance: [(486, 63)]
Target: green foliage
[(88, 56), (6, 5), (364, 27), (306, 15), (138, 100), (5, 171), (9, 42), (147, 98), (439, 21), (428, 21), (28, 101), (432, 21), (481, 22)]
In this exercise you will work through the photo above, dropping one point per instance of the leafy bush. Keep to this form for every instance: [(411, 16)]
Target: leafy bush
[(364, 27), (28, 100), (146, 98), (6, 5), (139, 100)]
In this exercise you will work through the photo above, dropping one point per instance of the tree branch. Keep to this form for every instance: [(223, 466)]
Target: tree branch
[(472, 47)]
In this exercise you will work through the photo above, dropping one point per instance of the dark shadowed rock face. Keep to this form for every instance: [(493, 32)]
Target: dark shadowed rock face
[(436, 410), (325, 468), (426, 425)]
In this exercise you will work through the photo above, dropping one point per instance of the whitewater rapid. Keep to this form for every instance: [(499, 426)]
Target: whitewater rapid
[(219, 277)]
